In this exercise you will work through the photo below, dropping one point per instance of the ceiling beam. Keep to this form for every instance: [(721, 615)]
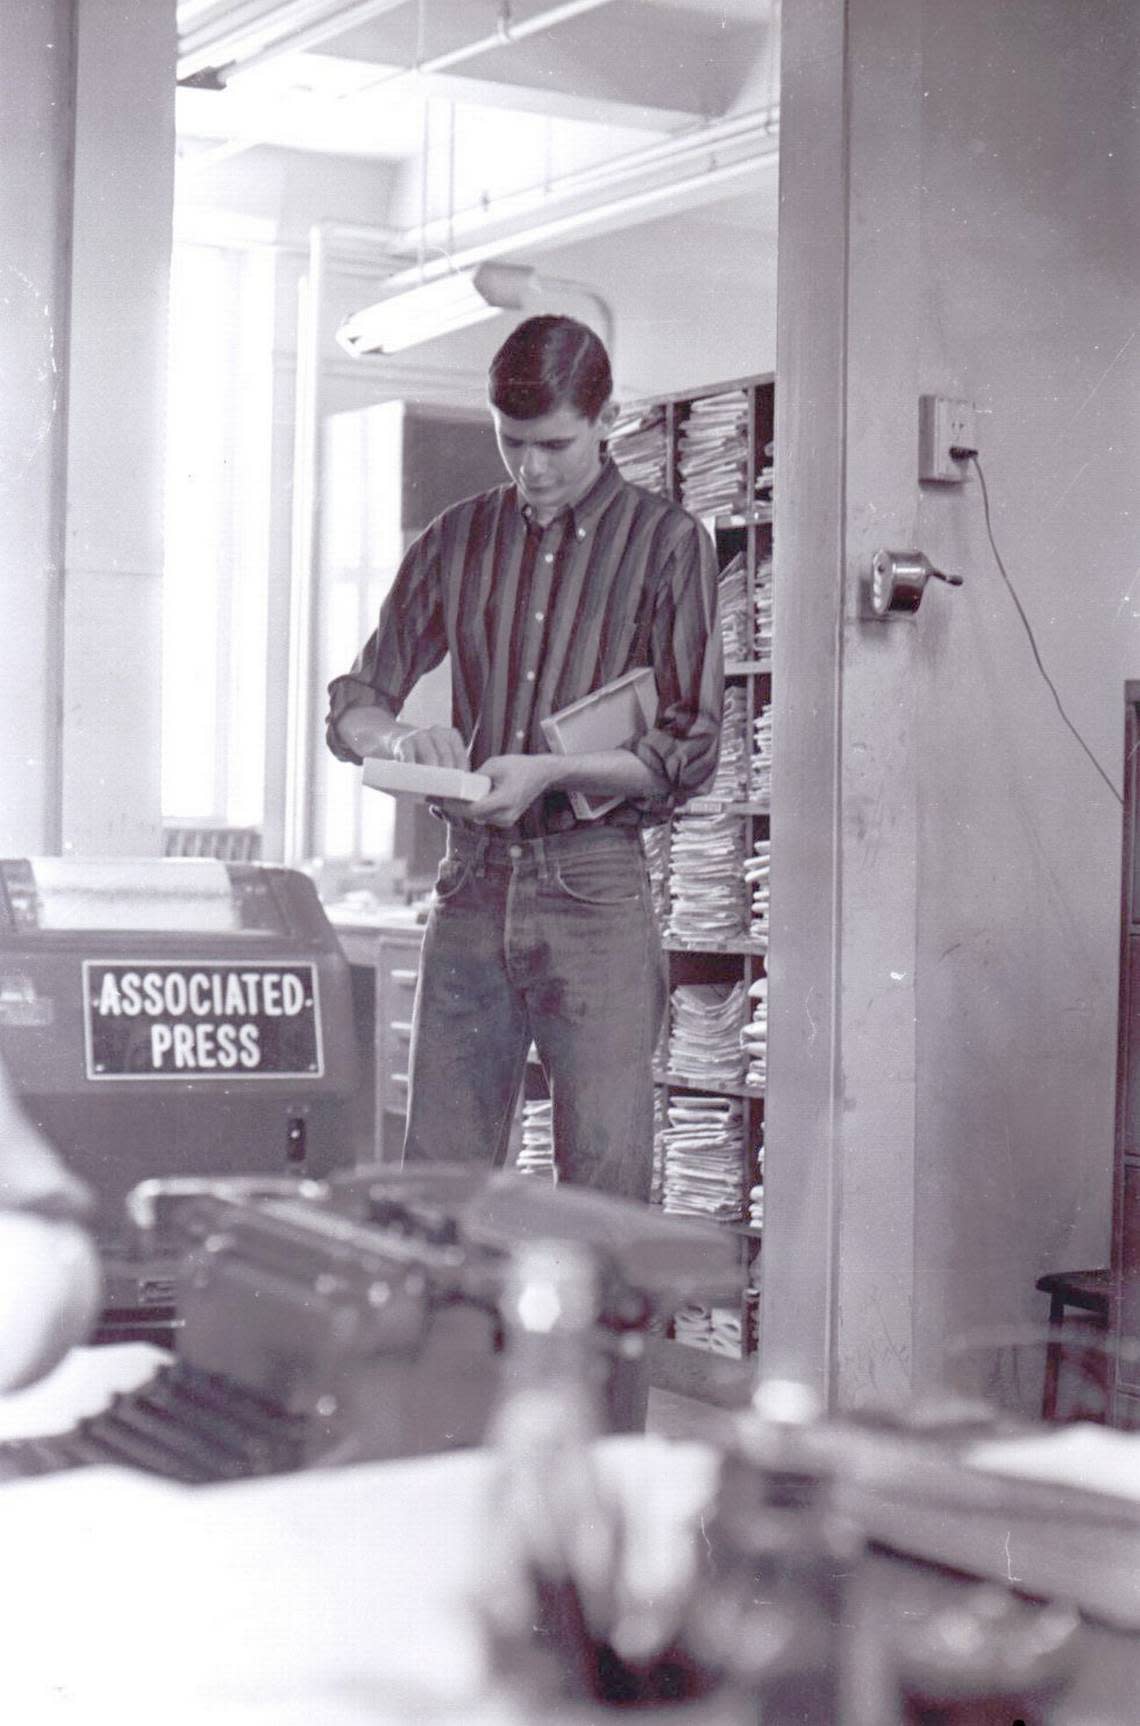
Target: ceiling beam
[(637, 53)]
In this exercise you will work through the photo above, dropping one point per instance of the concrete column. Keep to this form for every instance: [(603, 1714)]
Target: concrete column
[(36, 124), (840, 1178), (120, 268)]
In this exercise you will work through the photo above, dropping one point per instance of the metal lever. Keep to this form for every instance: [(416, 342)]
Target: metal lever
[(899, 578)]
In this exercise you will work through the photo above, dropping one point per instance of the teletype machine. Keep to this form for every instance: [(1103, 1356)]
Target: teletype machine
[(173, 1017)]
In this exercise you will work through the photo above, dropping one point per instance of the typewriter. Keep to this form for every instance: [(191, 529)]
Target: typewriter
[(322, 1323)]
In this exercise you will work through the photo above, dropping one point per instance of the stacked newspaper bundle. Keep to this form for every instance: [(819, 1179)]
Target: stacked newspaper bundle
[(765, 479), (704, 1149), (757, 874), (637, 444), (536, 1155), (754, 1035), (730, 783), (712, 455), (725, 1331), (760, 766), (655, 843), (706, 1032), (733, 606), (715, 1328), (762, 609), (692, 1325), (706, 879), (660, 1122)]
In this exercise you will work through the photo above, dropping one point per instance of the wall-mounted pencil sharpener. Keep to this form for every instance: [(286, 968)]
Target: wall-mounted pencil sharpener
[(899, 578)]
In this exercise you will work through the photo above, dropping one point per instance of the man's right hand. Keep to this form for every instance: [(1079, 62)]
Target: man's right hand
[(431, 746)]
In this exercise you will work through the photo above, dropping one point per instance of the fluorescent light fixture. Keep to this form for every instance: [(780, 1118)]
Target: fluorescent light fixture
[(437, 308)]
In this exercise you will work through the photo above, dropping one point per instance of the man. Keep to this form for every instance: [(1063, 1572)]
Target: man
[(542, 591)]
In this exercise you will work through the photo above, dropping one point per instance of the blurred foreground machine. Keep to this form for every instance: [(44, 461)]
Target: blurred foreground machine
[(324, 1323), (173, 1017)]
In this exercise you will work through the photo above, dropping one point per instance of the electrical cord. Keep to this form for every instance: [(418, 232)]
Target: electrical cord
[(964, 454)]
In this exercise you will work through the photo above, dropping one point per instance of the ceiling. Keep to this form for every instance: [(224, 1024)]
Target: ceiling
[(490, 126)]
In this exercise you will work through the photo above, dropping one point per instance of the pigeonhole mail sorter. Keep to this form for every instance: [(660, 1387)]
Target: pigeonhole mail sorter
[(173, 1017)]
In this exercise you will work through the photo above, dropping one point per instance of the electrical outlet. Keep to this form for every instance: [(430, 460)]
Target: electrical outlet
[(945, 424)]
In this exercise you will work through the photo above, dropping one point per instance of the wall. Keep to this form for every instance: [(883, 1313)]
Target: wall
[(1029, 305), (957, 189)]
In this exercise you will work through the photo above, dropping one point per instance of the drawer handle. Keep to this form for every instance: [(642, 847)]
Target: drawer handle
[(402, 1027), (403, 976), (400, 1079)]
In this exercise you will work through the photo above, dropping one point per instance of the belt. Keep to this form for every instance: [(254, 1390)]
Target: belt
[(502, 851)]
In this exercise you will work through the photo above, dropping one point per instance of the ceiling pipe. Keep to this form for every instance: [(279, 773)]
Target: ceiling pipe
[(755, 133), (505, 37), (648, 201)]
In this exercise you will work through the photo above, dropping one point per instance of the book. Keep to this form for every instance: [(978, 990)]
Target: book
[(612, 717), (416, 779)]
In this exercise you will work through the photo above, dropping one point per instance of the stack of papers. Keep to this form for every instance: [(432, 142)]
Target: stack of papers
[(760, 766), (762, 609), (716, 1328), (705, 1039), (660, 1122), (754, 1035), (712, 455), (765, 479), (725, 1331), (637, 444), (730, 782), (757, 876), (732, 598), (536, 1155), (704, 1150), (655, 843), (706, 879), (692, 1325)]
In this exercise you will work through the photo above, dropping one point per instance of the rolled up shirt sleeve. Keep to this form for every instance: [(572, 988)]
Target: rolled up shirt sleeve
[(409, 639), (683, 746)]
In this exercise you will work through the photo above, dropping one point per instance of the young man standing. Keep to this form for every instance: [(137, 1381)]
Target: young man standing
[(542, 928)]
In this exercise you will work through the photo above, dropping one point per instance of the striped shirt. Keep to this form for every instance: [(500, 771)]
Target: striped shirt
[(535, 617)]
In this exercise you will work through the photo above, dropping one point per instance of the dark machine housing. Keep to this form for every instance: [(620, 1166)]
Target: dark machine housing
[(173, 1017)]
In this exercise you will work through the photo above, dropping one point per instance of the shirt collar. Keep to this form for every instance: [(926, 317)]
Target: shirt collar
[(589, 506)]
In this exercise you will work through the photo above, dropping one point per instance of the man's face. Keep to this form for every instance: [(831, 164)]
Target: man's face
[(553, 459)]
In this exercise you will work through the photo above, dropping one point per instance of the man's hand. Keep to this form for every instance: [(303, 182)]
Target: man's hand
[(516, 780), (430, 746)]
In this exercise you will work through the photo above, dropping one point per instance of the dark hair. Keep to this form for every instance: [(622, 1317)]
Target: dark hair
[(547, 363)]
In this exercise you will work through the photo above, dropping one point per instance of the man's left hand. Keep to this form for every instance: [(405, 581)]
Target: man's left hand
[(516, 780)]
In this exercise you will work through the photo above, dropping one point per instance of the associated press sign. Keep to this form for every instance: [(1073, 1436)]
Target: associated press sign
[(221, 1020)]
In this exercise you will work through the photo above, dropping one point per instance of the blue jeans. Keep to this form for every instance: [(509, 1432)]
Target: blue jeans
[(552, 940)]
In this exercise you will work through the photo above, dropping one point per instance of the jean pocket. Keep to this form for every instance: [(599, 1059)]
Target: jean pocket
[(602, 878), (453, 873)]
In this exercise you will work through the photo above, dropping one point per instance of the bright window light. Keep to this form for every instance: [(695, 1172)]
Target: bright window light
[(215, 594)]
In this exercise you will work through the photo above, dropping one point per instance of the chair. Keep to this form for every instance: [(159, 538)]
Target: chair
[(1088, 1292)]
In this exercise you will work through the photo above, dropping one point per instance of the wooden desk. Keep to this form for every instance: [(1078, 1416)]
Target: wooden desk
[(350, 1596)]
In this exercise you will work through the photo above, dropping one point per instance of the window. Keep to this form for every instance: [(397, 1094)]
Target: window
[(216, 586)]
